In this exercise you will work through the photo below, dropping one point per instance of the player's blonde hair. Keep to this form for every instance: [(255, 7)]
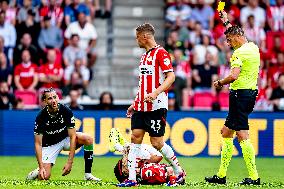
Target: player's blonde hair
[(146, 27)]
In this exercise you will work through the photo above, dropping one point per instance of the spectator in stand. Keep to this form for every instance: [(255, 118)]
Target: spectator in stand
[(183, 76), (29, 26), (7, 100), (255, 33), (106, 101), (77, 74), (195, 36), (88, 36), (26, 44), (73, 52), (74, 97), (71, 12), (34, 3), (50, 73), (203, 75), (177, 11), (23, 12), (107, 9), (10, 11), (173, 105), (275, 70), (199, 51), (275, 16), (5, 71), (277, 97), (253, 9), (8, 32), (50, 36), (54, 10), (4, 50), (271, 54), (26, 73), (204, 14), (173, 42)]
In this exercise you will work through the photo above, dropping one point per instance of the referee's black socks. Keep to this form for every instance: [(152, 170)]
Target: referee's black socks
[(88, 156)]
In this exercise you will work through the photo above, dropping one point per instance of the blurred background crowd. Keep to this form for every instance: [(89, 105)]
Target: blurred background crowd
[(52, 43)]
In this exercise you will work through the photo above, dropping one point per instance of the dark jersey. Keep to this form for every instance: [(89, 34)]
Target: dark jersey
[(54, 128)]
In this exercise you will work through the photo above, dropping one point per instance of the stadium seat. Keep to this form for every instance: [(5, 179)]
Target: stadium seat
[(202, 101), (28, 97), (223, 99), (270, 39)]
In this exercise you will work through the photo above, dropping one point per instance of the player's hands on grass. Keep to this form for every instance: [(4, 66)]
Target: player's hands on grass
[(130, 111), (67, 169), (42, 173), (150, 97)]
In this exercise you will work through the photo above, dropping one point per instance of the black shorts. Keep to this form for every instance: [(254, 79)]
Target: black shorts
[(153, 122), (241, 103)]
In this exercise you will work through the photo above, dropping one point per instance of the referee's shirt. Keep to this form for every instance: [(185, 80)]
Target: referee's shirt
[(246, 57)]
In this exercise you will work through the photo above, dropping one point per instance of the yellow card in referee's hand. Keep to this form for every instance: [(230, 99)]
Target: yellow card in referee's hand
[(221, 6)]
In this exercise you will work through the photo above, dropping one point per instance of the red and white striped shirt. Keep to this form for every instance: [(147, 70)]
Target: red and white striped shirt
[(153, 64)]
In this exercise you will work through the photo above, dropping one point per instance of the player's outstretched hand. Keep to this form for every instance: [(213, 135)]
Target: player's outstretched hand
[(42, 173), (130, 111), (67, 169)]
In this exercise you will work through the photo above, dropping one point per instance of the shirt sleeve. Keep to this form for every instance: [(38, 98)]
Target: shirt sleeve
[(164, 61), (235, 60), (69, 118), (38, 128)]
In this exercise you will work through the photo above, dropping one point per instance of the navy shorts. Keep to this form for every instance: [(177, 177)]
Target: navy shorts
[(241, 104), (153, 122)]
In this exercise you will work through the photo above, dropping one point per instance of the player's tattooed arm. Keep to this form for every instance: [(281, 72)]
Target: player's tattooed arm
[(38, 151), (68, 166)]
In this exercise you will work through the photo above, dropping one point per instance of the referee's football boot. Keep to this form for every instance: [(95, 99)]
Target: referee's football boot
[(113, 139), (216, 179), (249, 181)]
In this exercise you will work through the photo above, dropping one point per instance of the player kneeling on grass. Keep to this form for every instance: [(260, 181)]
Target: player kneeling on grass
[(148, 167), (55, 131)]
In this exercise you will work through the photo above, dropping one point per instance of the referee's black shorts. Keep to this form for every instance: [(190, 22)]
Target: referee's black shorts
[(241, 103)]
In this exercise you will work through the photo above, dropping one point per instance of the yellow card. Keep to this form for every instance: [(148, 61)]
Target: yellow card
[(221, 6)]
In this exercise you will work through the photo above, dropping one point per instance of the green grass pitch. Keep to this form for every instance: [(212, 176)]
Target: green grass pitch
[(13, 171)]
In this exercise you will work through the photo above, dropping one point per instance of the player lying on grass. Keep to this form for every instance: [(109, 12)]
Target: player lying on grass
[(149, 170), (55, 131)]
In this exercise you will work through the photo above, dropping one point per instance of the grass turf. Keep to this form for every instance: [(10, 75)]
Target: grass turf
[(13, 171)]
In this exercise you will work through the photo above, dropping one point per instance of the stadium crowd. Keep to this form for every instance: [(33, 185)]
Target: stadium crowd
[(47, 43), (52, 43), (195, 39)]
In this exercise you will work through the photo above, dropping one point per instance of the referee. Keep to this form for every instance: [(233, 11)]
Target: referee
[(245, 63)]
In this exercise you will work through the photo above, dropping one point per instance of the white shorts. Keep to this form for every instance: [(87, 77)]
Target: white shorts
[(50, 153)]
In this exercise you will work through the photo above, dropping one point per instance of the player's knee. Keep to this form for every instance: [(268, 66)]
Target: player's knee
[(136, 138), (157, 145), (242, 136), (89, 140)]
